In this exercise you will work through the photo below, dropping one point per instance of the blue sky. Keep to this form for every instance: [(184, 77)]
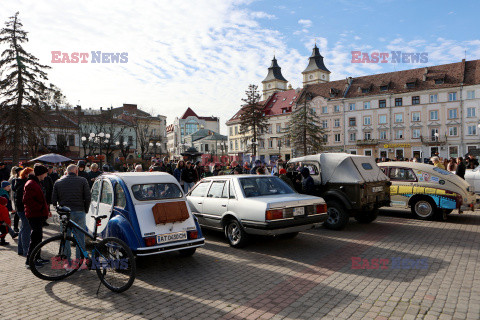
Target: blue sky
[(204, 53)]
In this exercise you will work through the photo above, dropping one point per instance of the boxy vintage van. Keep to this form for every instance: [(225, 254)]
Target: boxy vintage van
[(351, 185)]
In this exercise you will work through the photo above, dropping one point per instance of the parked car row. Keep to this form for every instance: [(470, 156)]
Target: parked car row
[(150, 212)]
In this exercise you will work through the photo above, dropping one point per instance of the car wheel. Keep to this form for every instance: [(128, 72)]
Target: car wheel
[(187, 252), (367, 216), (337, 216), (424, 209), (235, 234)]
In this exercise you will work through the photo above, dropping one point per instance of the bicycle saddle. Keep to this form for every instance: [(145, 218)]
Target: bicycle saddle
[(63, 210)]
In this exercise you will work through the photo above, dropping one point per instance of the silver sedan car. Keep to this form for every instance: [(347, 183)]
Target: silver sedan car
[(242, 205)]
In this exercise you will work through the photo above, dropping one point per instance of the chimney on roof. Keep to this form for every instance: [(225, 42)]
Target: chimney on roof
[(289, 86), (425, 74)]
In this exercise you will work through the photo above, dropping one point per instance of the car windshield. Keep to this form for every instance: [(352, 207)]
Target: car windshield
[(156, 191), (261, 186)]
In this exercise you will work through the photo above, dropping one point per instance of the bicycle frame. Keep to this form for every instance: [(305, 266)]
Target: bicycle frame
[(74, 226)]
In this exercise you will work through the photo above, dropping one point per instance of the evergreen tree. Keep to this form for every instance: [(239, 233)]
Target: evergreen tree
[(252, 119), (21, 87), (304, 130)]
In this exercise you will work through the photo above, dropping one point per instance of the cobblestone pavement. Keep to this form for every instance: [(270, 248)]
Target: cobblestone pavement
[(432, 272)]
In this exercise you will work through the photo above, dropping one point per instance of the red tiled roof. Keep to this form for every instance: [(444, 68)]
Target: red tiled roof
[(280, 101), (454, 74), (236, 116), (190, 113)]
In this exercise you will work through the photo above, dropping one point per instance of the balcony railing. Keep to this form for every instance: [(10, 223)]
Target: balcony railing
[(433, 140), (367, 142)]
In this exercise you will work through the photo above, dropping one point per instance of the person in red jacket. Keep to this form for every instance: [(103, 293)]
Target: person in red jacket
[(36, 209), (5, 222)]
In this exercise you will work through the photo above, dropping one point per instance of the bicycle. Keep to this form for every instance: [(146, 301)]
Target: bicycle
[(111, 258)]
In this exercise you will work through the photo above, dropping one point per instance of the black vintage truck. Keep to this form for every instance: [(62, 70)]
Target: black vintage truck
[(351, 185)]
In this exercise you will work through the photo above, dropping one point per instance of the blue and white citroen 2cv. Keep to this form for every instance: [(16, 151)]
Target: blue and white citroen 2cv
[(147, 210)]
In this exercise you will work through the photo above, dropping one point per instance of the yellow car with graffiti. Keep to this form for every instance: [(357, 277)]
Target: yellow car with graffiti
[(427, 190)]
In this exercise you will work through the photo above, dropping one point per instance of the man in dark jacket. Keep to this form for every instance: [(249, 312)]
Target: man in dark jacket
[(36, 209), (308, 186), (93, 174), (168, 165), (74, 192), (52, 174), (81, 169), (461, 168), (4, 173), (189, 176)]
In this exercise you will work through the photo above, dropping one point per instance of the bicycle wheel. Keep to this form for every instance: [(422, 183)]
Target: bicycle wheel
[(115, 264), (55, 264)]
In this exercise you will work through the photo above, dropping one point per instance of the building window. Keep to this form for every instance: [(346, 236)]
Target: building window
[(398, 102), (262, 144), (366, 105), (452, 96), (269, 128), (382, 103), (453, 151), (433, 98), (337, 137), (312, 111), (236, 145), (383, 88), (231, 131), (416, 133), (130, 140), (452, 114), (382, 119), (336, 123), (471, 94), (367, 121), (472, 130), (434, 115), (470, 112), (270, 143), (383, 135), (325, 138), (336, 109), (353, 136), (352, 122), (415, 116), (410, 85), (416, 100), (398, 117), (433, 134), (324, 109), (367, 136), (279, 128), (439, 81), (399, 134), (236, 130), (351, 107), (71, 140), (206, 146), (324, 124), (453, 131)]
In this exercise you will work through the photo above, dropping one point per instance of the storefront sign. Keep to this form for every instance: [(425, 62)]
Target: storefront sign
[(397, 145)]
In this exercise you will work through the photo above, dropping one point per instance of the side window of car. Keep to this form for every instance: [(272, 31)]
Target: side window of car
[(312, 168), (225, 190), (107, 194), (231, 191), (200, 190), (216, 189), (96, 190), (384, 170), (402, 174), (120, 199)]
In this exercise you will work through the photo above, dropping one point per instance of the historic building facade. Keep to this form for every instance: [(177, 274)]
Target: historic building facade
[(412, 113)]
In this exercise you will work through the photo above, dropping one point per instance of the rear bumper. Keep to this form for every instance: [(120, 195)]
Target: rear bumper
[(169, 247), (283, 226)]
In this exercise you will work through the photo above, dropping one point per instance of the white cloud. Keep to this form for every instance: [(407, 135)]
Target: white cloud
[(201, 55), (262, 15), (305, 23), (357, 38)]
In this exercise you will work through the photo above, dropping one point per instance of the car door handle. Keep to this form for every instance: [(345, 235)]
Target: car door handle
[(199, 202), (224, 205)]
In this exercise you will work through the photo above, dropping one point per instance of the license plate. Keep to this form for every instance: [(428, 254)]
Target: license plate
[(169, 237), (377, 189), (300, 211)]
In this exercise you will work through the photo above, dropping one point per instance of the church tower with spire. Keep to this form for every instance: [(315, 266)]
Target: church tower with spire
[(316, 72), (274, 81)]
